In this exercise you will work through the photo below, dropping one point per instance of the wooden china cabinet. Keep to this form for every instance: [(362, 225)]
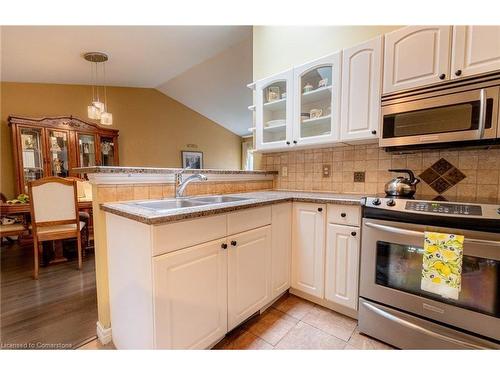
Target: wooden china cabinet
[(52, 146)]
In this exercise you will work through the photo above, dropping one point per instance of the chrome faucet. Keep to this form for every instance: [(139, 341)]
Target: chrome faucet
[(181, 183)]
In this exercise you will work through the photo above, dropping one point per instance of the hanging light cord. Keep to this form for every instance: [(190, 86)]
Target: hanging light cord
[(104, 83), (92, 82), (97, 82)]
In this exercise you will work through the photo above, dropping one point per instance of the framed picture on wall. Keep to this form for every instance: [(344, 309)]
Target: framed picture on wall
[(192, 159)]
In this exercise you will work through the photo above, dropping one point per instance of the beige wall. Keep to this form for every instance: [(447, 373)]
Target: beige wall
[(277, 48), (154, 128)]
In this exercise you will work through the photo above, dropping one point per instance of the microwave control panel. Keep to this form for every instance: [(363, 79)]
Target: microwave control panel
[(444, 208)]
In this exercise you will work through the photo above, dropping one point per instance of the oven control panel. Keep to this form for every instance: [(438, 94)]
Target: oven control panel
[(444, 208)]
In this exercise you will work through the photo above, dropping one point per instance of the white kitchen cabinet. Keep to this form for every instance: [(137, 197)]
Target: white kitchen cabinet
[(475, 50), (190, 290), (316, 109), (249, 274), (416, 56), (361, 91), (281, 248), (190, 296), (342, 265), (308, 248), (274, 111)]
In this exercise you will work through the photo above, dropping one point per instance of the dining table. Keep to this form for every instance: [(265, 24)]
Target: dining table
[(11, 209)]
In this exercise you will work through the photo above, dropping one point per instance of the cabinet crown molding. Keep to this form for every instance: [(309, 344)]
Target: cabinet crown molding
[(64, 122)]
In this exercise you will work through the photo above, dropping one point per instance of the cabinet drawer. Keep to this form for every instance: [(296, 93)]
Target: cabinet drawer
[(240, 221), (175, 236), (344, 214)]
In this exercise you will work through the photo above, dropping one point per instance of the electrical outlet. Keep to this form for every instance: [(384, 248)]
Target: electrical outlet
[(326, 170), (359, 176), (284, 171)]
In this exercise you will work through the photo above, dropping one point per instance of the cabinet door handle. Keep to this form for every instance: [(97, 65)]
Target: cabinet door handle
[(234, 243), (320, 209), (287, 142), (224, 245), (295, 142), (458, 73), (353, 234), (374, 132), (442, 76), (343, 214)]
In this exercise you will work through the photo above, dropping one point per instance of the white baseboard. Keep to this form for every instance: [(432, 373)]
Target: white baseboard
[(103, 334)]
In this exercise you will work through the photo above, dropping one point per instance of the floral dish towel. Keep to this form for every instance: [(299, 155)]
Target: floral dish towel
[(442, 264)]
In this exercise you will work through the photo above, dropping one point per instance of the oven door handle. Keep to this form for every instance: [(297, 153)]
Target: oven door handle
[(414, 233), (482, 114), (418, 328)]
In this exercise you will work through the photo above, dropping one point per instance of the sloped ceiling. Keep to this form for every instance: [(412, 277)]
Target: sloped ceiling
[(217, 88), (204, 67)]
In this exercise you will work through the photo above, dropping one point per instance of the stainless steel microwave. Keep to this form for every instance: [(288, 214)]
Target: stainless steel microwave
[(453, 113)]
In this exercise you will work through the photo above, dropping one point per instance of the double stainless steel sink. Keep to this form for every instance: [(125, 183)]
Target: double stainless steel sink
[(174, 204)]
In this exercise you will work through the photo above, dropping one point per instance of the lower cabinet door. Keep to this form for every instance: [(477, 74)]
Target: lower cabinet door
[(249, 274), (190, 288), (342, 265), (308, 248), (281, 248)]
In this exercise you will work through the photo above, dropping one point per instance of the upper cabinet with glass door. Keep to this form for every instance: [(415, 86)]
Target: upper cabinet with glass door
[(109, 154), (58, 149), (317, 101), (86, 150), (32, 155), (273, 120)]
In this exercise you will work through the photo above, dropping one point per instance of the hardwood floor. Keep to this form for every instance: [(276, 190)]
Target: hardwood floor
[(59, 310)]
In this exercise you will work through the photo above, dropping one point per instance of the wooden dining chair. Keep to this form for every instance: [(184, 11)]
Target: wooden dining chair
[(54, 214), (84, 193)]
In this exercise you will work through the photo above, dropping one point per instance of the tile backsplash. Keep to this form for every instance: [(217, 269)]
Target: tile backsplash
[(364, 169)]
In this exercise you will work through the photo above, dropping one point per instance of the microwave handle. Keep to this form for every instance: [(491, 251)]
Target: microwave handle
[(414, 233), (482, 114)]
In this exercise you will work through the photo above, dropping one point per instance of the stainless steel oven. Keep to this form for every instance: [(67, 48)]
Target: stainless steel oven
[(392, 305), (465, 112)]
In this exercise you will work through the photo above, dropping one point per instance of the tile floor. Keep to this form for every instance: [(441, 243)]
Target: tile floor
[(292, 323)]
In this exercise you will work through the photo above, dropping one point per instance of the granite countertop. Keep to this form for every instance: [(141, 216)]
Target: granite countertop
[(153, 170), (132, 210)]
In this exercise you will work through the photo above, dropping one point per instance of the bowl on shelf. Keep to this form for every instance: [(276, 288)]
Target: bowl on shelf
[(315, 113), (273, 123)]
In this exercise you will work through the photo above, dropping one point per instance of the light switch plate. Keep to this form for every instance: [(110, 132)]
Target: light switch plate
[(326, 170), (284, 171)]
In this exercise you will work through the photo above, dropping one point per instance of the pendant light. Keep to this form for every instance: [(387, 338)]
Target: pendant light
[(98, 110)]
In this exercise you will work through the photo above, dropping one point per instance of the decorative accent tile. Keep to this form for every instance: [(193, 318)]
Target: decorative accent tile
[(442, 175), (359, 176), (429, 175), (442, 166), (441, 185), (454, 176)]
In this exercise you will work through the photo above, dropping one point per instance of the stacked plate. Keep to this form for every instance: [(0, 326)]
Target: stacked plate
[(274, 123)]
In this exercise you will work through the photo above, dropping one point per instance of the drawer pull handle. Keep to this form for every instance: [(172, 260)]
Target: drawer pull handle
[(224, 245), (353, 234), (234, 243), (343, 214), (320, 209)]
